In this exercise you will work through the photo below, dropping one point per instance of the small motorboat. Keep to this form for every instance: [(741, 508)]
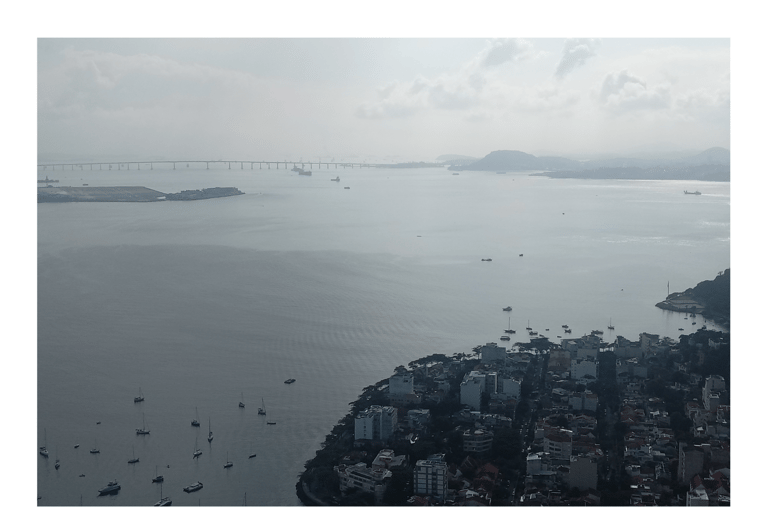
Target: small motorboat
[(193, 487), (110, 488)]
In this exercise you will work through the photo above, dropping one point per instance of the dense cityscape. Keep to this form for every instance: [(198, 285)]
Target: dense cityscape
[(578, 422)]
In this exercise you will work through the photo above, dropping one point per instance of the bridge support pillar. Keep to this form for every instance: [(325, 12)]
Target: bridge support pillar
[(206, 166), (229, 164), (174, 166)]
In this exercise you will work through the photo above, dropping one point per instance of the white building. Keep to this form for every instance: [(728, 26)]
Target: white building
[(370, 480), (376, 423), (430, 477), (472, 388), (582, 368)]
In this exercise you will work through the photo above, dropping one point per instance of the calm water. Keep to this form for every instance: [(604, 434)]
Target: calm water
[(200, 303)]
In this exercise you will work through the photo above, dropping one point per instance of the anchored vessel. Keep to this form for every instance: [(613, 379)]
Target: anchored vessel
[(193, 487), (111, 487)]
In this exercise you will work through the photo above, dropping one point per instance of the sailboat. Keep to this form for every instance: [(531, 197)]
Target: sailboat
[(198, 452), (241, 404), (139, 398), (210, 434), (142, 431), (135, 459), (164, 501), (228, 464), (57, 465), (43, 449), (509, 329), (158, 478), (529, 325), (195, 423), (262, 409), (610, 326)]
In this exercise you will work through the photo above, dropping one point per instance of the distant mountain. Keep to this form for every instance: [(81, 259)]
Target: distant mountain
[(507, 160), (710, 165)]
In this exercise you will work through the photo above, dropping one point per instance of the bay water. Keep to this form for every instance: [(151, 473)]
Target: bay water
[(198, 305)]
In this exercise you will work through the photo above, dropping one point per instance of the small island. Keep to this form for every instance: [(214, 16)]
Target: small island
[(127, 194)]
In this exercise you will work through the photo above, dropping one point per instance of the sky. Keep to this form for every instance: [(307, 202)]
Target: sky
[(384, 99)]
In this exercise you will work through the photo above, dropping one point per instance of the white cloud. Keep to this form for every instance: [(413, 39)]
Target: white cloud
[(622, 92), (500, 51), (480, 83), (575, 54)]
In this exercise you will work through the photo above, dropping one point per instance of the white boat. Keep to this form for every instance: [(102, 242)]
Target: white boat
[(228, 464), (164, 501), (158, 478), (135, 459), (95, 448), (143, 430), (139, 398), (210, 433), (198, 452), (262, 409), (195, 423)]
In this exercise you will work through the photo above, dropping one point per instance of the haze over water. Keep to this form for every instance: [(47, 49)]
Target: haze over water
[(199, 302)]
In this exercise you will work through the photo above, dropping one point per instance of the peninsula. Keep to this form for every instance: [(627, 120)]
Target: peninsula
[(711, 299), (85, 194), (578, 422)]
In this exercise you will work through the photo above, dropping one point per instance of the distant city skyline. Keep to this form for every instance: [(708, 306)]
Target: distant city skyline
[(379, 99)]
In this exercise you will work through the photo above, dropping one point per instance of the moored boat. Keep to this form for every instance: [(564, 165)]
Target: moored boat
[(143, 430), (139, 398), (111, 487), (193, 487), (164, 501), (262, 409)]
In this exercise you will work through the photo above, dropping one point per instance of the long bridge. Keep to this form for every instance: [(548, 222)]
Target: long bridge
[(208, 163)]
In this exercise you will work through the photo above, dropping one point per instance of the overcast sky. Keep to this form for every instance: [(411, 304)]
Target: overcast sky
[(386, 99)]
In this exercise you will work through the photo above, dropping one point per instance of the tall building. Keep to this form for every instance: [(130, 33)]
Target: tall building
[(472, 388), (430, 477), (377, 423)]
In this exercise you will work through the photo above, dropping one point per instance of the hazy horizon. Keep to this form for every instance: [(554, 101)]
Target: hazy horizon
[(395, 99)]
